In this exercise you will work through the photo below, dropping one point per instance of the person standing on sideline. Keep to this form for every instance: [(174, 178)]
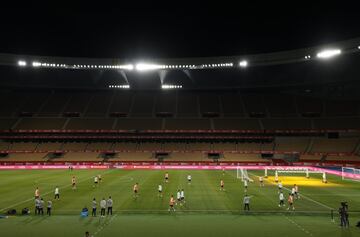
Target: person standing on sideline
[(109, 204), (57, 193), (41, 207), (49, 207), (246, 202), (37, 206), (94, 204), (103, 207)]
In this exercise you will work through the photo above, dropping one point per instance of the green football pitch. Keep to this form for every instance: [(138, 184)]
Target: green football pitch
[(206, 212)]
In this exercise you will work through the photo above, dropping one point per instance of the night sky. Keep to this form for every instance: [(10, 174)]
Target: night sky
[(176, 31)]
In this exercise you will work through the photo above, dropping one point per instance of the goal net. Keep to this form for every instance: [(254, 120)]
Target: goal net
[(348, 173), (291, 171), (243, 174)]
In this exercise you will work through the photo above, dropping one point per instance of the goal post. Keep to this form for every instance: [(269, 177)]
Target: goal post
[(242, 174), (349, 173)]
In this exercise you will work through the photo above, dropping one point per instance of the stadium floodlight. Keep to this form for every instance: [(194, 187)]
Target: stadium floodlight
[(126, 67), (243, 63), (328, 53), (146, 67), (171, 86), (36, 64), (22, 63)]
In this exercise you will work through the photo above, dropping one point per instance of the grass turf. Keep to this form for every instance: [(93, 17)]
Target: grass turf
[(207, 212)]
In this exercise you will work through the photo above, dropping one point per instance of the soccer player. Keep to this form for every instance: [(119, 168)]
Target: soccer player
[(96, 181), (166, 177), (57, 193), (291, 202), (182, 196), (296, 191), (189, 179), (103, 207), (324, 178), (136, 190), (171, 203), (280, 186), (261, 180), (37, 193), (293, 191), (94, 204), (245, 184), (73, 182), (246, 202), (100, 178), (178, 197), (222, 185), (49, 207), (109, 204), (281, 199), (160, 190), (41, 207), (276, 176)]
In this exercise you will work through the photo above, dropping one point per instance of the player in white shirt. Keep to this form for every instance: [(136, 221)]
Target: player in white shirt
[(297, 196), (160, 190), (57, 193), (103, 207), (182, 196), (96, 181), (261, 180), (293, 191), (281, 199), (178, 197), (280, 186), (324, 180), (276, 176), (189, 179)]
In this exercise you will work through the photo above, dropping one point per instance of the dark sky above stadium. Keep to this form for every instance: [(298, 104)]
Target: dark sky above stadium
[(175, 31)]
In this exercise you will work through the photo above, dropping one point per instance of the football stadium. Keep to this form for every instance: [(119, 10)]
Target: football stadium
[(253, 144)]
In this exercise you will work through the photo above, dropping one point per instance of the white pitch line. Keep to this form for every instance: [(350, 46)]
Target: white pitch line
[(105, 224), (299, 226), (28, 200)]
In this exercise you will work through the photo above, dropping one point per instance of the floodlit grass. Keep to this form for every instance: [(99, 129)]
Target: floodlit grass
[(207, 211)]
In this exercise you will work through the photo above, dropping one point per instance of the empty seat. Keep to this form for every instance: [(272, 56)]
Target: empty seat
[(297, 144), (90, 123), (274, 124), (236, 124), (138, 124), (334, 145), (187, 124), (40, 123)]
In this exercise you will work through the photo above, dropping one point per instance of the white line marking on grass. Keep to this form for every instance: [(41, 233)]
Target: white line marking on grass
[(61, 187), (105, 224), (299, 226)]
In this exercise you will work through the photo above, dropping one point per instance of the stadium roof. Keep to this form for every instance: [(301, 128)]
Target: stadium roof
[(275, 58)]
